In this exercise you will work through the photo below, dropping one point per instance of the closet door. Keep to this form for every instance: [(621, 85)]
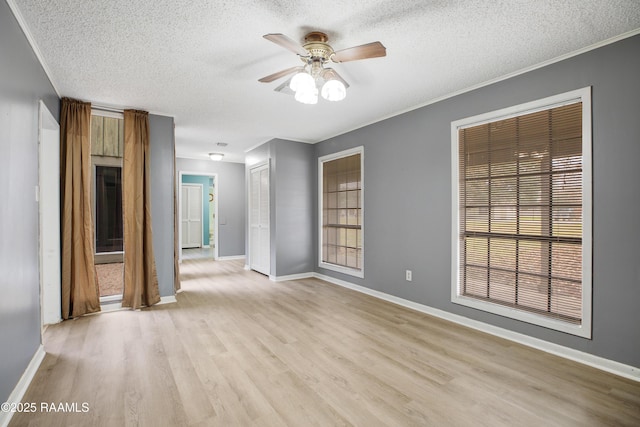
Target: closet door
[(259, 236)]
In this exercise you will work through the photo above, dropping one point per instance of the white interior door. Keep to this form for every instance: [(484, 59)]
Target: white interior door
[(191, 216), (259, 235), (49, 216)]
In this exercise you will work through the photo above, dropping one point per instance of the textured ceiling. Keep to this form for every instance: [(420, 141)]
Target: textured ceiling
[(200, 60)]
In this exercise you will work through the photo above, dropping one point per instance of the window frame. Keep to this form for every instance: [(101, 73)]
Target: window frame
[(584, 329), (321, 160)]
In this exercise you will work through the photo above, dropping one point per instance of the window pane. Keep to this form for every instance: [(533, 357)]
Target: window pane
[(108, 209)]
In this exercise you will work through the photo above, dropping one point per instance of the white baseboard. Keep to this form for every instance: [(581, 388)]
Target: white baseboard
[(21, 388), (167, 300), (291, 277), (611, 366), (230, 258)]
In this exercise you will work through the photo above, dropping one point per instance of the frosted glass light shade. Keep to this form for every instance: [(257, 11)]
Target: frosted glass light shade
[(302, 81), (334, 90), (307, 96), (216, 156)]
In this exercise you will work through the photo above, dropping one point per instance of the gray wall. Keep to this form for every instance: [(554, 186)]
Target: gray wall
[(407, 215), (292, 197), (292, 170), (231, 201), (22, 84), (161, 143)]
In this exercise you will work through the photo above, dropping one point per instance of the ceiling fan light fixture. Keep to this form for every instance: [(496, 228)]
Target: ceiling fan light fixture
[(334, 90), (216, 156), (316, 53), (302, 81), (307, 95)]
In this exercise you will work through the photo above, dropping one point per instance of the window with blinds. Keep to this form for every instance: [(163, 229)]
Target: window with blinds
[(341, 233), (521, 207)]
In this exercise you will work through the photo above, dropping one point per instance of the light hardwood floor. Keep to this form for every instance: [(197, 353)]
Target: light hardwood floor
[(240, 350)]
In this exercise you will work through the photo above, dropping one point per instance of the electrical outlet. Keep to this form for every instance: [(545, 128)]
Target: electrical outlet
[(408, 275)]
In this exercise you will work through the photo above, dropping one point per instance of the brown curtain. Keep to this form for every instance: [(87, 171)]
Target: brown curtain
[(80, 294), (140, 277)]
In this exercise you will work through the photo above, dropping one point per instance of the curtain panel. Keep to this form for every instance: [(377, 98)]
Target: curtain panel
[(140, 276), (80, 294)]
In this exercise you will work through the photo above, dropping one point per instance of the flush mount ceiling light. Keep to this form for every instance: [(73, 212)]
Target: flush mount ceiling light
[(313, 78), (216, 156)]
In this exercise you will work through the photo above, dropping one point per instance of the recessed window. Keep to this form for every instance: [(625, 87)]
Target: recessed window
[(341, 212), (522, 206)]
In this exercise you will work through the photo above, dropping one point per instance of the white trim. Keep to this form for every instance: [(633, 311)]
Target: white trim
[(580, 95), (23, 384), (329, 157), (111, 306), (167, 300), (607, 365), (254, 168), (97, 111), (547, 103), (48, 219), (231, 258), (341, 269), (298, 276)]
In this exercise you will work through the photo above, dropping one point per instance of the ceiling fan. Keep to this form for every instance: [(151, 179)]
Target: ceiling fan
[(315, 53)]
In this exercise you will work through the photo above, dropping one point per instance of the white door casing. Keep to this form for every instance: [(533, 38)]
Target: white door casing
[(259, 233), (49, 216)]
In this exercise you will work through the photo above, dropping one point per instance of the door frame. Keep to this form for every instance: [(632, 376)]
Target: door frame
[(49, 220), (216, 198), (249, 262)]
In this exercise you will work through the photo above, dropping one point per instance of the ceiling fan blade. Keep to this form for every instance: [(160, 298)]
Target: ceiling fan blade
[(369, 50), (287, 43), (279, 74)]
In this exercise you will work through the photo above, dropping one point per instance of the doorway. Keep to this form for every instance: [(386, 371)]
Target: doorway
[(198, 215)]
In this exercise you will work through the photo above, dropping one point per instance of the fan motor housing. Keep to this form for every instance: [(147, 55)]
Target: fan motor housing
[(317, 46)]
